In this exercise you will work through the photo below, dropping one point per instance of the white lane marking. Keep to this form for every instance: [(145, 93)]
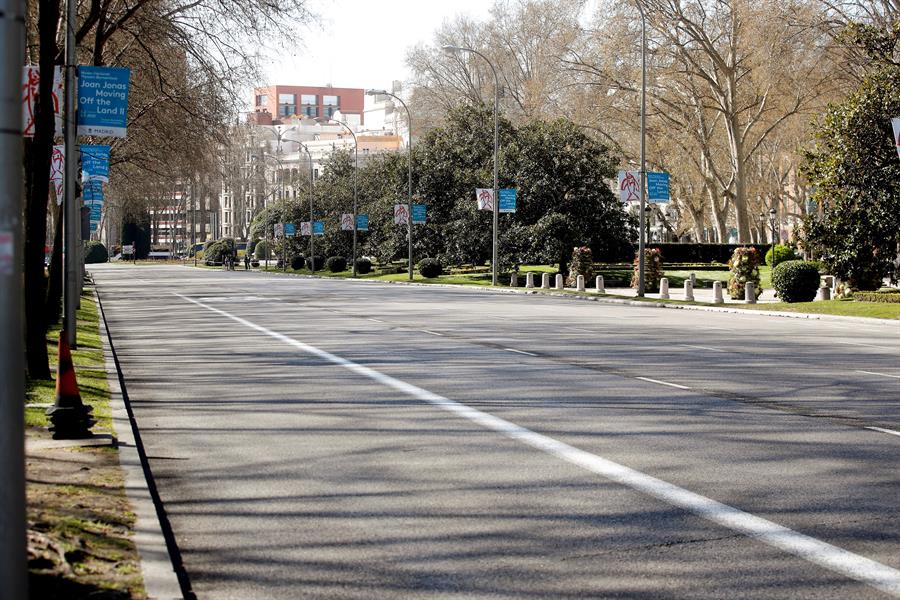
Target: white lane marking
[(520, 352), (674, 385), (580, 329), (879, 374), (889, 431), (861, 344), (702, 348), (816, 551), (431, 332), (373, 320)]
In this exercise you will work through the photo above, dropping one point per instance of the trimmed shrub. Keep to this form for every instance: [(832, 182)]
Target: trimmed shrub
[(653, 270), (298, 261), (796, 281), (363, 266), (744, 267), (95, 252), (783, 252), (582, 264), (315, 263), (261, 249), (430, 268), (892, 297), (336, 264), (689, 252)]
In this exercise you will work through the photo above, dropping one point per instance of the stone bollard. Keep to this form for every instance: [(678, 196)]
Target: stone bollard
[(688, 290), (717, 293), (514, 280), (545, 281), (560, 284), (579, 283), (529, 281), (693, 279), (600, 288), (824, 293), (829, 281), (664, 288), (750, 292)]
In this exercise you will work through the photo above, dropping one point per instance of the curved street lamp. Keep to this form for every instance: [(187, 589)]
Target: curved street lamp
[(312, 259), (409, 165), (266, 227), (641, 245), (453, 50), (355, 171)]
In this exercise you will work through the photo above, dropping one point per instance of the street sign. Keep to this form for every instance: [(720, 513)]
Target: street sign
[(485, 198), (103, 101), (362, 222), (95, 162), (319, 228), (401, 214), (419, 214), (279, 229), (347, 222), (507, 199), (657, 187), (304, 228), (290, 230)]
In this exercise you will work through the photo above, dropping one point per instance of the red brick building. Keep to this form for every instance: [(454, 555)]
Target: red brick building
[(282, 102)]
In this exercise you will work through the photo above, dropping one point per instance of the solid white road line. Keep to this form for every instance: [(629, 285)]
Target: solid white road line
[(861, 344), (879, 374), (519, 352), (889, 431), (816, 551), (674, 385), (702, 348)]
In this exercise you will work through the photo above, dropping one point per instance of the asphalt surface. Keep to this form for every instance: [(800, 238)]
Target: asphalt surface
[(345, 439)]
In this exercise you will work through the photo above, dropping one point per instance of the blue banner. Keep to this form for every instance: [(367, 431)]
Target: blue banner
[(319, 228), (95, 162), (96, 212), (103, 101), (419, 214), (362, 222), (507, 200), (290, 230), (657, 187), (92, 192)]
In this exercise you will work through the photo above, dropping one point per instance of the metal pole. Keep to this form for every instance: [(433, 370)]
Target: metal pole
[(409, 169), (355, 176), (72, 218), (641, 246), (312, 260), (193, 225), (13, 567)]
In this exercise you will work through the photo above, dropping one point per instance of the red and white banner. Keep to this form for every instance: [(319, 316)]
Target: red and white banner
[(347, 222), (305, 228), (629, 186), (895, 123), (485, 198), (58, 171), (401, 214), (31, 79)]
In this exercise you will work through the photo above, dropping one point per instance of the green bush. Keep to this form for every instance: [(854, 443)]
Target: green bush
[(298, 261), (315, 263), (796, 281), (783, 252), (430, 268), (744, 266), (363, 266), (653, 270), (251, 246), (336, 264), (892, 297), (262, 249), (95, 252)]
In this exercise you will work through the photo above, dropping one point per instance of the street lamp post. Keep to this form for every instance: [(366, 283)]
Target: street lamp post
[(355, 175), (494, 261), (772, 215), (641, 266), (312, 256), (409, 169), (266, 226)]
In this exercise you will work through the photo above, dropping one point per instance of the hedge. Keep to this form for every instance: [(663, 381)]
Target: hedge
[(889, 297), (703, 253)]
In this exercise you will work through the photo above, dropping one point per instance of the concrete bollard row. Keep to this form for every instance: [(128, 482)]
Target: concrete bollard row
[(717, 293), (750, 292), (529, 281), (824, 293), (559, 281), (689, 290), (664, 288), (545, 281), (514, 280), (579, 283), (601, 289)]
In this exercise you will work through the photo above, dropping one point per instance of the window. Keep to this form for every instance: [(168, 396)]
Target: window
[(262, 100), (332, 105), (309, 105), (287, 105)]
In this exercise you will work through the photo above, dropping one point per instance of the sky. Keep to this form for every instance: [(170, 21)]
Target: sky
[(363, 43)]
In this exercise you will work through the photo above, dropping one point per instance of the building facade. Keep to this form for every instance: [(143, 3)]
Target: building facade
[(282, 102)]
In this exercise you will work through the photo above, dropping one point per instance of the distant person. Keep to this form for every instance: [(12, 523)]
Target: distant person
[(247, 261)]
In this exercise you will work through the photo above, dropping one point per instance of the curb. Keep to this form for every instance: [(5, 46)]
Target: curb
[(161, 581), (611, 300)]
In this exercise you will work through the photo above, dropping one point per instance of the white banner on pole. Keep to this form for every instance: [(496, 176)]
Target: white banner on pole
[(485, 198), (347, 222), (58, 171), (895, 123), (629, 186), (31, 80), (305, 228), (401, 214)]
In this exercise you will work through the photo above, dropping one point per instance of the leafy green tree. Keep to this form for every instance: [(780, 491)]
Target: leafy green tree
[(855, 170)]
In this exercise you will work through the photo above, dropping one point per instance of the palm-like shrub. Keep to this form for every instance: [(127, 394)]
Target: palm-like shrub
[(744, 267), (653, 270)]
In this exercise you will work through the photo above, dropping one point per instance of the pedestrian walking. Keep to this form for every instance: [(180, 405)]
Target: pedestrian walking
[(247, 261)]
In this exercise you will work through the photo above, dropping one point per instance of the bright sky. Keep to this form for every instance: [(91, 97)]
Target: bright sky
[(363, 43)]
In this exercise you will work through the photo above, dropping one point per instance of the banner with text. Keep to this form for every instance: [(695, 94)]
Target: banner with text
[(362, 222), (95, 162), (507, 199), (103, 101)]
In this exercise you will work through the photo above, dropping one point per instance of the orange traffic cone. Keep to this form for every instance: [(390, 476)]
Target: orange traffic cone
[(69, 418)]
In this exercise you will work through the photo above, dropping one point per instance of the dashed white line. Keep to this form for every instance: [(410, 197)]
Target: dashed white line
[(702, 348), (879, 374), (861, 344), (520, 352), (431, 332), (816, 551), (376, 320), (674, 385), (882, 430)]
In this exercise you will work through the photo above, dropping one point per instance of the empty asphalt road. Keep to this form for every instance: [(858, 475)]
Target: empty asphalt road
[(315, 438)]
